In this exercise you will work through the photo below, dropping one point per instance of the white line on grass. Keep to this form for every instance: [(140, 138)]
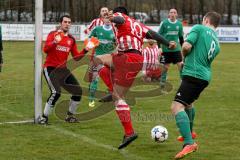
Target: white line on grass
[(84, 138), (124, 152), (18, 122)]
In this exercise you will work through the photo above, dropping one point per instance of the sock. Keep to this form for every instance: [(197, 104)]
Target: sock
[(92, 89), (73, 105), (183, 125), (191, 115), (106, 76), (163, 78), (123, 112), (48, 109)]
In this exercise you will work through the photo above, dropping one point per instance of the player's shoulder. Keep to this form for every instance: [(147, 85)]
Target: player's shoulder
[(71, 37), (179, 22), (52, 32)]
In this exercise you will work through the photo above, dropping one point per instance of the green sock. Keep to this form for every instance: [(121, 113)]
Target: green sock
[(183, 125), (163, 78), (191, 115), (92, 89)]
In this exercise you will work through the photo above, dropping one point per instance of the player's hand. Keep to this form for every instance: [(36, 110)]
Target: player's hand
[(58, 36), (172, 45)]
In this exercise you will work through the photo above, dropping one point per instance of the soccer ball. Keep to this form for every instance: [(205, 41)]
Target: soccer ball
[(159, 134)]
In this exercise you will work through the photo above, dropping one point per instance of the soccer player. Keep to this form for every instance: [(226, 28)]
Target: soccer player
[(199, 50), (58, 45), (151, 66), (97, 21), (172, 30), (107, 45), (126, 63), (1, 49)]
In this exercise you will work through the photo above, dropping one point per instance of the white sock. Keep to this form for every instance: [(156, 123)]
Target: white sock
[(48, 109), (73, 105)]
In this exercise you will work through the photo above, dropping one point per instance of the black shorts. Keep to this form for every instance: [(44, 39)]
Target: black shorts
[(171, 57), (62, 78), (190, 90)]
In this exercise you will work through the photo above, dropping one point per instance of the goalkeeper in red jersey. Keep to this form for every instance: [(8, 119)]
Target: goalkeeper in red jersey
[(58, 45)]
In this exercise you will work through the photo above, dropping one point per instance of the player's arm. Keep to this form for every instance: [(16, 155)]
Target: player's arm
[(181, 39), (50, 42), (160, 31), (90, 27), (191, 40), (160, 39), (76, 54), (186, 48)]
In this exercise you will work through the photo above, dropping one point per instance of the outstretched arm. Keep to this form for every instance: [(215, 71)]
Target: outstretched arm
[(160, 39)]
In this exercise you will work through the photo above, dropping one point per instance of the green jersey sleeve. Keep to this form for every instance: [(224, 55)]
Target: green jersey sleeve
[(181, 31), (194, 34), (161, 28)]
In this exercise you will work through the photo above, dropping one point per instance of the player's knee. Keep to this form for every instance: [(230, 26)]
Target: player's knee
[(53, 98), (76, 98)]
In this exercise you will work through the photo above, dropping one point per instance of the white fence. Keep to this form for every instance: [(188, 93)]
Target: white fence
[(25, 32)]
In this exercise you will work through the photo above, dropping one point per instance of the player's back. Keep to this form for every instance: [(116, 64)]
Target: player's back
[(130, 34), (205, 49)]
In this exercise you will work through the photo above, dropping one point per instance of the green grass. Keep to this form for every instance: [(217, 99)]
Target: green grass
[(217, 117)]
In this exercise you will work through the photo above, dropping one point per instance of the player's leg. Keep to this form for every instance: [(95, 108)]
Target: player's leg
[(163, 78), (165, 60), (92, 89), (105, 66), (124, 115), (177, 59), (71, 85), (52, 80), (187, 93), (126, 68)]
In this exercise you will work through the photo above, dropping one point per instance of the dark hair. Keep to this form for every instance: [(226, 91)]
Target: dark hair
[(121, 10), (61, 18), (214, 18)]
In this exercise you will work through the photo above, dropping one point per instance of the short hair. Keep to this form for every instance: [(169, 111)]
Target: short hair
[(214, 18), (61, 18), (121, 9)]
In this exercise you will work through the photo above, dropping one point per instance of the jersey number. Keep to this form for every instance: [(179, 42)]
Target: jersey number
[(136, 28), (211, 50)]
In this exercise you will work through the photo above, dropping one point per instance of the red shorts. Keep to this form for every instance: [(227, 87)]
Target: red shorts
[(153, 73), (126, 68)]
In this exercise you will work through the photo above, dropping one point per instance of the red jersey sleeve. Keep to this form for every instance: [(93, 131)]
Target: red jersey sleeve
[(49, 44), (76, 54)]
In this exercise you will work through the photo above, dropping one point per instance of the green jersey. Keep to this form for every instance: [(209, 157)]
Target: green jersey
[(205, 47), (171, 31), (106, 38)]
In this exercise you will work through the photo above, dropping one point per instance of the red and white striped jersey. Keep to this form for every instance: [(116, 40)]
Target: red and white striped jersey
[(130, 34), (94, 23), (151, 58)]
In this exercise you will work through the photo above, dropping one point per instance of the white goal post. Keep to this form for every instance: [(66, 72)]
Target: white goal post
[(38, 60)]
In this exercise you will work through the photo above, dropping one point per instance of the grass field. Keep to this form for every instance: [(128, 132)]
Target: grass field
[(217, 117)]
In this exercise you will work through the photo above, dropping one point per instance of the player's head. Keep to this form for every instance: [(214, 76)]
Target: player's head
[(103, 11), (121, 10), (212, 19), (65, 23), (172, 14)]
